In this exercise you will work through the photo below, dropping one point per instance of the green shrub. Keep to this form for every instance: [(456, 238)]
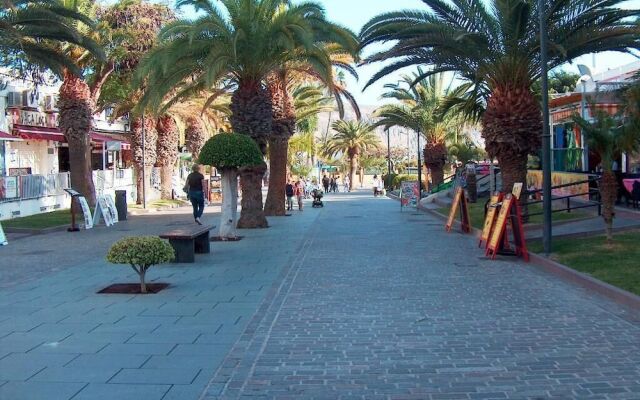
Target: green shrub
[(388, 181), (141, 253), (398, 179), (230, 150)]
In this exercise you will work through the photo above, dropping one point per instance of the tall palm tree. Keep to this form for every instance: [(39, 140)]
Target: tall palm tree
[(138, 22), (32, 33), (352, 138), (79, 94), (167, 152), (420, 100), (494, 48), (238, 43), (609, 138)]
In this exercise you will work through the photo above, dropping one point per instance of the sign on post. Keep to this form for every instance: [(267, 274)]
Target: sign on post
[(86, 212), (409, 194), (459, 203)]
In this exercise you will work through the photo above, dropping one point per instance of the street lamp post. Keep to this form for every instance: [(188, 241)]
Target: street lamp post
[(388, 152), (546, 134), (144, 171), (419, 170)]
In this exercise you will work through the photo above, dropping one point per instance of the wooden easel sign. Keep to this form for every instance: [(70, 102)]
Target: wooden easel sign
[(510, 215), (459, 202), (490, 219)]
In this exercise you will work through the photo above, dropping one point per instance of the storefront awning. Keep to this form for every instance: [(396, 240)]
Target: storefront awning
[(38, 133), (96, 137), (6, 136)]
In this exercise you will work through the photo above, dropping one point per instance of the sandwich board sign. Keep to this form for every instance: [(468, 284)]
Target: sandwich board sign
[(111, 205), (409, 194), (102, 210), (492, 212), (459, 203)]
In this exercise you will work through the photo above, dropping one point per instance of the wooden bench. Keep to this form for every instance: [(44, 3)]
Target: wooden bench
[(189, 240)]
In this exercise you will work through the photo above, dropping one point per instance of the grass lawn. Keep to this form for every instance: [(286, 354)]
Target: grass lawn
[(617, 265), (42, 221), (159, 203), (476, 212)]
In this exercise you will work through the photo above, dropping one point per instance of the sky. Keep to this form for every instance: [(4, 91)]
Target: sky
[(355, 13)]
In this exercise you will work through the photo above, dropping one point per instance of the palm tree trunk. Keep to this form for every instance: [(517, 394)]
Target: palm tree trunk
[(608, 194), (151, 138), (437, 173), (252, 215), (167, 153), (251, 114), (353, 166), (166, 181), (76, 121), (275, 204), (511, 127)]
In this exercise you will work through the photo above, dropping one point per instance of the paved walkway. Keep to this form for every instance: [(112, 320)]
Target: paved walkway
[(384, 305), (356, 300)]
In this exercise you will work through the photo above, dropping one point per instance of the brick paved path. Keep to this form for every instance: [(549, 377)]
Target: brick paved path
[(384, 305)]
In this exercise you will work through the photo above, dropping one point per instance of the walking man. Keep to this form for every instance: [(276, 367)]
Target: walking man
[(289, 191), (196, 194)]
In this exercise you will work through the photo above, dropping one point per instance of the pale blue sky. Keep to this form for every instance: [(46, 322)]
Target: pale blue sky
[(355, 13)]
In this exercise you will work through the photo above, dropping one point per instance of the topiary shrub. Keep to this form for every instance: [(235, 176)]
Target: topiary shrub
[(141, 253), (228, 152)]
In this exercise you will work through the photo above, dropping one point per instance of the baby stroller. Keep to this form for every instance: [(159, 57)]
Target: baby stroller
[(317, 198)]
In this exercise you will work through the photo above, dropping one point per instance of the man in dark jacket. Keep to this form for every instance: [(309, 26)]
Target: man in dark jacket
[(196, 193)]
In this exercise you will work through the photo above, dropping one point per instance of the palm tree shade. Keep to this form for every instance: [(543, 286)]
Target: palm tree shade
[(494, 48), (351, 138)]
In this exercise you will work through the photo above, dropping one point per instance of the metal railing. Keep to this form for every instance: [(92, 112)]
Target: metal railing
[(592, 200), (447, 183), (34, 186)]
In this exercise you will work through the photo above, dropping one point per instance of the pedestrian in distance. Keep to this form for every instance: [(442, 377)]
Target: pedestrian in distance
[(289, 191), (325, 183), (346, 183), (299, 193), (195, 192)]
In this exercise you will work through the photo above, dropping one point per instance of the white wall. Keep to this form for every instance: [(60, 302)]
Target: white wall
[(34, 154), (25, 208)]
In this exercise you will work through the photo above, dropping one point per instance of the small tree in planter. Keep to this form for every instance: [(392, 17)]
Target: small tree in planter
[(229, 153), (141, 253)]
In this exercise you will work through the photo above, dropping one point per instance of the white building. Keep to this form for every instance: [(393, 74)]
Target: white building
[(34, 154)]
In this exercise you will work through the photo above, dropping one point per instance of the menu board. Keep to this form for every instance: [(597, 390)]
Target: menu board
[(86, 212), (500, 225), (102, 209), (409, 194), (517, 190), (454, 207), (490, 218)]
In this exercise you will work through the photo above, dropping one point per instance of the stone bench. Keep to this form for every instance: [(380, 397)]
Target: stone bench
[(187, 241)]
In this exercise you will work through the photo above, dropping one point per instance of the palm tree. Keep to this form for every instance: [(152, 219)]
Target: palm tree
[(167, 152), (352, 138), (137, 22), (420, 100), (33, 32), (238, 43), (494, 48), (609, 138), (79, 94)]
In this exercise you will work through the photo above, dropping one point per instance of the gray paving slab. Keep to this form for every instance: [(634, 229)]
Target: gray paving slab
[(39, 390), (56, 330)]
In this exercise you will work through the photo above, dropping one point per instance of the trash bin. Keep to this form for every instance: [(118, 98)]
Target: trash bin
[(121, 204)]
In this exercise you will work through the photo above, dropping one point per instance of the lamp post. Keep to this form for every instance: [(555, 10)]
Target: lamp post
[(584, 113), (144, 171), (546, 134), (419, 170), (388, 152)]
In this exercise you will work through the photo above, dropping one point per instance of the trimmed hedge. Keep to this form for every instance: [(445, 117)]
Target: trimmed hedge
[(230, 150)]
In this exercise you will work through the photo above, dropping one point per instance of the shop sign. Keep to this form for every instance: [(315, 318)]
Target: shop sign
[(36, 118), (534, 181)]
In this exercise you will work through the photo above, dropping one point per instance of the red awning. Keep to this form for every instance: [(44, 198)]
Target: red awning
[(96, 137), (38, 133), (6, 136)]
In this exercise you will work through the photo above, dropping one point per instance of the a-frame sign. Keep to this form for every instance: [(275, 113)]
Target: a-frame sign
[(490, 218), (509, 219), (459, 204)]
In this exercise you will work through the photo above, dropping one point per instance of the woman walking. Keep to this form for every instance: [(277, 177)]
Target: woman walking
[(195, 191), (299, 194)]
